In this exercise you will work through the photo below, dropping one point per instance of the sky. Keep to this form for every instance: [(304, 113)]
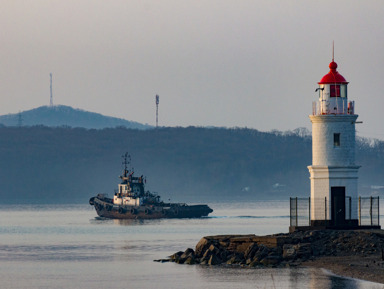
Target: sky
[(243, 63)]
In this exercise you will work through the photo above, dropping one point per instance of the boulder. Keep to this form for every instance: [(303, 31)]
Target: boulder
[(190, 261), (214, 260), (289, 252), (261, 253), (188, 253), (303, 250), (234, 259), (207, 254), (202, 246), (176, 256), (254, 263), (162, 260), (251, 251), (214, 250), (271, 260)]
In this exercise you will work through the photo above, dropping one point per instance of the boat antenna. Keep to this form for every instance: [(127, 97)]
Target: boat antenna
[(126, 161)]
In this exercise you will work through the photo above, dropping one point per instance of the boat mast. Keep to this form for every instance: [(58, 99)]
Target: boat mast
[(126, 161)]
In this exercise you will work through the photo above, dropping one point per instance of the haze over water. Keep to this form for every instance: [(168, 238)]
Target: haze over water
[(45, 246)]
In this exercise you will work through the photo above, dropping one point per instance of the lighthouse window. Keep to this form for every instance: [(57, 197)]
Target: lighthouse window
[(335, 90), (336, 139)]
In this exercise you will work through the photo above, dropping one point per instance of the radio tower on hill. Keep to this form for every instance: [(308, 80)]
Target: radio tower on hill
[(157, 110), (51, 98)]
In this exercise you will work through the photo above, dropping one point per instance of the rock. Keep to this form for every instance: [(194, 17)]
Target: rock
[(202, 246), (162, 260), (190, 261), (188, 253), (303, 250), (254, 263), (207, 254), (271, 260), (176, 256), (179, 261), (214, 250), (243, 247), (223, 255), (214, 260), (282, 249), (289, 252), (251, 251), (261, 252), (235, 259)]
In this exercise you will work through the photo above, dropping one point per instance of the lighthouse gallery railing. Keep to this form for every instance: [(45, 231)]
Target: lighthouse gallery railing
[(322, 107)]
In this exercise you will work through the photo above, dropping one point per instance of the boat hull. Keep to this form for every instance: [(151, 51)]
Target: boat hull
[(106, 209)]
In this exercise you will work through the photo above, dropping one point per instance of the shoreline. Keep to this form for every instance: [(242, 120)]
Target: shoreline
[(366, 269), (357, 254)]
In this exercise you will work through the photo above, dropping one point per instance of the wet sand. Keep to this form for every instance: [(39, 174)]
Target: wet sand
[(369, 267)]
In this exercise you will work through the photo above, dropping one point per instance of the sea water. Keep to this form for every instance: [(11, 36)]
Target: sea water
[(68, 246)]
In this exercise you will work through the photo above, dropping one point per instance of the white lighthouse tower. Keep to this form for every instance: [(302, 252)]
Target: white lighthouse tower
[(333, 172)]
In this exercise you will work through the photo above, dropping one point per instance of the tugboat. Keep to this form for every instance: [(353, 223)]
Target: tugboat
[(131, 201)]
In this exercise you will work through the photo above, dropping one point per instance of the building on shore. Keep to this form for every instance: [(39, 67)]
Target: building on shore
[(334, 201)]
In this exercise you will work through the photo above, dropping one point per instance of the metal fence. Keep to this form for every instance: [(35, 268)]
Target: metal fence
[(300, 212), (369, 211), (367, 207)]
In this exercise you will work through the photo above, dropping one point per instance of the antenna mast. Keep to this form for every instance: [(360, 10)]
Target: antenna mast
[(126, 161), (51, 99), (333, 51), (19, 120), (157, 110)]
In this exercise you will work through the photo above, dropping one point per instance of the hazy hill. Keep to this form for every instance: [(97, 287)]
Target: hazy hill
[(61, 115), (66, 165)]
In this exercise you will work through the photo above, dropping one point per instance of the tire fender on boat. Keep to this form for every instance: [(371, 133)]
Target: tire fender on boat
[(91, 201), (147, 211), (133, 211), (122, 210)]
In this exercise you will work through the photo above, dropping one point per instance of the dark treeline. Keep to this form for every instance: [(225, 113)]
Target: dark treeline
[(69, 165)]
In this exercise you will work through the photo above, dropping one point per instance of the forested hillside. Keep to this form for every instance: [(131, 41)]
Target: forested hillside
[(69, 165)]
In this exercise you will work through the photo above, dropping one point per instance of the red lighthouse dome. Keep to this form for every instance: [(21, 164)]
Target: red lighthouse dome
[(333, 76)]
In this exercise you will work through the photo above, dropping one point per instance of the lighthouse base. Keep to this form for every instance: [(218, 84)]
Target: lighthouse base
[(324, 226), (367, 207), (331, 224)]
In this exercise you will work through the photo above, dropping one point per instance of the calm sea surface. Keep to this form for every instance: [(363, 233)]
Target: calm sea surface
[(45, 246)]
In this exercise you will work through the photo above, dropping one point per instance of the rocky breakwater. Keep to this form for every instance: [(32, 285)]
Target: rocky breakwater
[(354, 248)]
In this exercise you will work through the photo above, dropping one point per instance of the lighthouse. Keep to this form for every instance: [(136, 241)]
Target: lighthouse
[(333, 173)]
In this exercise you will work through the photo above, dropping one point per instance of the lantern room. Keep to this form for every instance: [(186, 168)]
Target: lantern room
[(333, 96)]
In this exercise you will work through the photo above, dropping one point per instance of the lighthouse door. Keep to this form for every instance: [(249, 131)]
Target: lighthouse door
[(338, 206)]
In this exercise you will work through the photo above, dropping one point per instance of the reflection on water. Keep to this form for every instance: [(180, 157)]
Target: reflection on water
[(279, 278), (60, 246)]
